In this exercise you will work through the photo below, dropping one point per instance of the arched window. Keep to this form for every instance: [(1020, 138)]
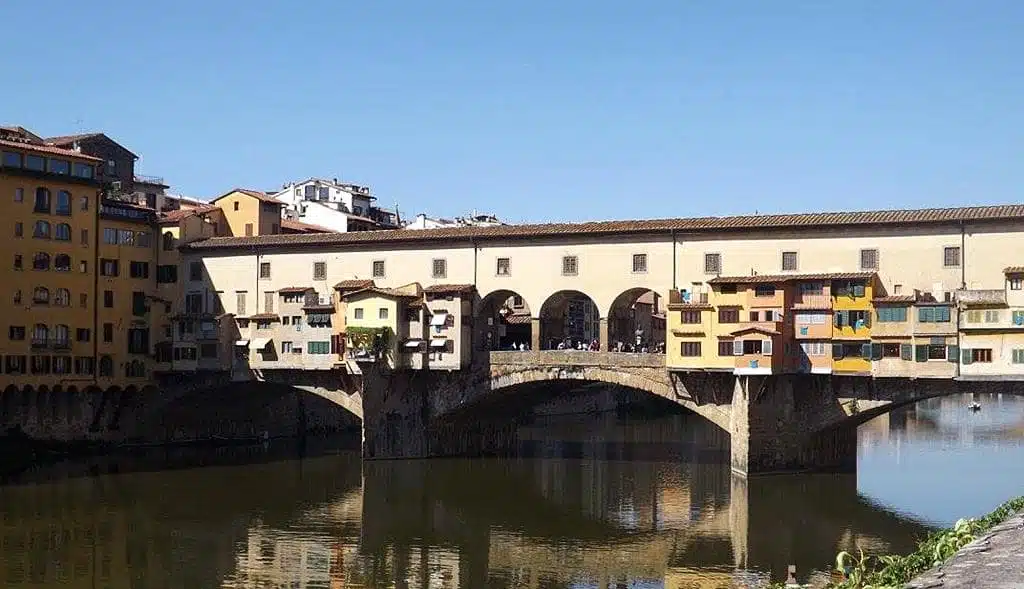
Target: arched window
[(63, 202), (62, 232), (168, 241), (41, 261), (62, 297), (61, 334), (106, 366), (41, 295), (40, 334), (62, 263), (42, 200), (42, 230)]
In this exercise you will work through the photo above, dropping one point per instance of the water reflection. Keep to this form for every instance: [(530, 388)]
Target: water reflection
[(617, 513)]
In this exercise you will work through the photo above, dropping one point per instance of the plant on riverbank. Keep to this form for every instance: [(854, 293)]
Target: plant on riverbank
[(892, 571)]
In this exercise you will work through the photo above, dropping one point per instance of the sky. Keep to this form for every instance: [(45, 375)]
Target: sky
[(543, 111)]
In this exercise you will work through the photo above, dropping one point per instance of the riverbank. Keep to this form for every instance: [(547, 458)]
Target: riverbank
[(982, 552)]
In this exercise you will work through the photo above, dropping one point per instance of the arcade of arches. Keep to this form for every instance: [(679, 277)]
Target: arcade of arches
[(569, 319)]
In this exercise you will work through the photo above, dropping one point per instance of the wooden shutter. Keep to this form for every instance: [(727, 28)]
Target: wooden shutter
[(906, 352), (876, 351), (921, 353), (965, 354), (837, 350), (766, 347), (952, 353), (865, 351), (737, 347), (867, 318)]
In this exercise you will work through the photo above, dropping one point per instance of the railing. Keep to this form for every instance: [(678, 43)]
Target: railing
[(130, 213), (53, 343), (578, 358), (149, 179)]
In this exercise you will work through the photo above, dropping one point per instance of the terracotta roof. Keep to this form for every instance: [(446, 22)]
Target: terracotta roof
[(518, 319), (448, 289), (694, 225), (294, 289), (1014, 270), (353, 285), (689, 306), (388, 292), (65, 140), (755, 329), (264, 316), (319, 307), (981, 298), (48, 149), (253, 193), (178, 215), (894, 299), (685, 332), (300, 227), (764, 278)]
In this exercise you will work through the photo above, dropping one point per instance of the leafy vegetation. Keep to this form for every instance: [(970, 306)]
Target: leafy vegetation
[(374, 339), (890, 571)]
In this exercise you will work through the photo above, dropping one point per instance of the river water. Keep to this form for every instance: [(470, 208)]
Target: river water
[(609, 502)]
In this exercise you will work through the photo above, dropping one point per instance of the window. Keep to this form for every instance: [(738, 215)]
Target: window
[(891, 351), (17, 297), (108, 299), (168, 241), (35, 162), (378, 269), (62, 334), (195, 271), (138, 269), (194, 302), (60, 166), (138, 341), (15, 364), (849, 289), (83, 300), (126, 237), (109, 267), (19, 195), (40, 333), (108, 333), (248, 227), (1018, 356), (62, 232), (951, 257), (40, 364), (265, 270), (1016, 283), (240, 303), (110, 236), (439, 268), (40, 261), (712, 263), (16, 333), (729, 315), (764, 290), (813, 348), (83, 266), (63, 203), (933, 314), (84, 365), (143, 239), (892, 314), (639, 263), (11, 159), (318, 347), (689, 317), (981, 355), (139, 306), (937, 352), (62, 297), (286, 347), (319, 270), (974, 316), (82, 334), (83, 203), (854, 319), (503, 267), (992, 316), (689, 349), (85, 236), (19, 229), (41, 295), (17, 262), (570, 265), (268, 301), (41, 230), (42, 204), (789, 261), (869, 259), (357, 313), (725, 348), (1018, 318), (382, 313)]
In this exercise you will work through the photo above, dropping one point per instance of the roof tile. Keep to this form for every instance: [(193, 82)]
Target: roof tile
[(763, 278), (48, 149), (354, 285), (446, 289)]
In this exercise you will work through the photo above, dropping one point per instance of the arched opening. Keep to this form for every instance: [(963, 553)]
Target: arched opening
[(106, 366), (41, 261), (41, 230), (168, 241), (42, 202), (62, 263), (62, 232), (569, 319), (636, 322), (504, 322)]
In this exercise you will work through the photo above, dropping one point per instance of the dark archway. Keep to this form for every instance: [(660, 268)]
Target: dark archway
[(569, 318), (636, 321), (504, 322)]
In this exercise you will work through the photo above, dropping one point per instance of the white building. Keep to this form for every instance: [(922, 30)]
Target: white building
[(337, 206), (422, 221)]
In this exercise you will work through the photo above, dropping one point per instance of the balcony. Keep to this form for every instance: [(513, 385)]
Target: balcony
[(126, 212), (51, 344), (145, 179)]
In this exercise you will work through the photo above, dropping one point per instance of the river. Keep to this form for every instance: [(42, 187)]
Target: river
[(607, 501)]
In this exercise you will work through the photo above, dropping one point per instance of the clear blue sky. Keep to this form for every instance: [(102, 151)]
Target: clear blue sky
[(543, 110)]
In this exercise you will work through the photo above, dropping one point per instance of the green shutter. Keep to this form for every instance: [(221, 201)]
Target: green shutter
[(876, 351), (837, 350), (965, 354), (865, 351), (906, 352), (942, 314), (867, 318), (858, 290), (837, 320), (921, 353), (926, 314), (952, 353)]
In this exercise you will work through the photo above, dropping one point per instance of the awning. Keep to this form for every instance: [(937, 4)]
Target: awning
[(413, 343), (439, 319), (438, 343), (260, 342), (243, 343)]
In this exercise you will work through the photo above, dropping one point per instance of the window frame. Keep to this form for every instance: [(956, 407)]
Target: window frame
[(796, 261), (570, 265), (640, 263)]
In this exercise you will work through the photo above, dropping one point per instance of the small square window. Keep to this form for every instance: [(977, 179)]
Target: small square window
[(319, 270), (639, 263), (789, 261), (19, 229), (570, 266), (357, 313), (382, 313), (503, 267), (19, 195), (440, 268), (951, 257), (869, 259), (265, 270), (712, 263), (378, 269), (1016, 283)]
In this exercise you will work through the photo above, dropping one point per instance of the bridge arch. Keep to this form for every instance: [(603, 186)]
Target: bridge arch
[(569, 316), (636, 317), (504, 319)]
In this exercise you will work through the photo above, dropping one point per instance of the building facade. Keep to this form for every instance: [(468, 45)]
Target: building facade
[(335, 205)]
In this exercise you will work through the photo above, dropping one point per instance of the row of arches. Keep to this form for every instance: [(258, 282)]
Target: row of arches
[(570, 319), (61, 205), (61, 262), (60, 297), (59, 231)]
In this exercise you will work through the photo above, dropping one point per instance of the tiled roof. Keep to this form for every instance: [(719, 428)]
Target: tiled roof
[(66, 140), (263, 316), (694, 225), (894, 299), (689, 306), (388, 292), (353, 285), (755, 329), (48, 149), (300, 227), (294, 289), (1014, 270), (448, 289), (763, 278), (981, 298), (253, 193), (178, 215), (518, 319)]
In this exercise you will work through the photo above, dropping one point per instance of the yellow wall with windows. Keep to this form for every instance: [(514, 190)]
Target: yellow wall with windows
[(678, 332), (64, 241), (370, 304), (240, 209), (846, 300)]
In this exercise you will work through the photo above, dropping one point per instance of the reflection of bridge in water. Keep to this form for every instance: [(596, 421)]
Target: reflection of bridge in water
[(528, 523)]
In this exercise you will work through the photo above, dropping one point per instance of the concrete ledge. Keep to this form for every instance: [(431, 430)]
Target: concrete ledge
[(992, 561), (577, 358)]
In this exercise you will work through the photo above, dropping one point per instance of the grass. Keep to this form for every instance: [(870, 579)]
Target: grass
[(892, 571)]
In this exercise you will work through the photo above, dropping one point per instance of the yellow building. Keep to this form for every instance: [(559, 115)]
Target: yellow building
[(49, 205), (852, 313), (690, 342), (376, 323), (248, 213)]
